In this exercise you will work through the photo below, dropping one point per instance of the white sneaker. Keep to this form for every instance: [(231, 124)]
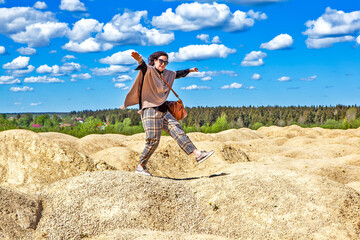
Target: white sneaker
[(203, 156), (142, 170)]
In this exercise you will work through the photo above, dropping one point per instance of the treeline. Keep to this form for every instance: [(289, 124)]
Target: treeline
[(200, 119)]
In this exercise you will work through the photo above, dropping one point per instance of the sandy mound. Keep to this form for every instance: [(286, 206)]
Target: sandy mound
[(19, 214), (252, 200), (29, 161)]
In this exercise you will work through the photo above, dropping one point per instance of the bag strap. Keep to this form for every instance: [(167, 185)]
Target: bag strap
[(169, 87)]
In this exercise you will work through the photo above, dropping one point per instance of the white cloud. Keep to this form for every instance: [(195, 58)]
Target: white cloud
[(45, 69), (250, 88), (327, 42), (206, 79), (212, 74), (2, 1), (17, 63), (332, 27), (311, 78), (122, 78), (16, 19), (284, 79), (254, 58), (216, 39), (42, 79), (234, 85), (126, 29), (27, 51), (83, 76), (112, 70), (17, 103), (39, 34), (256, 76), (203, 37), (22, 72), (8, 80), (68, 57), (254, 2), (121, 85), (89, 45), (196, 16), (40, 5), (23, 89), (52, 51), (72, 5), (83, 28), (195, 87), (279, 42), (57, 70), (358, 39), (2, 50), (35, 104), (119, 58), (200, 52)]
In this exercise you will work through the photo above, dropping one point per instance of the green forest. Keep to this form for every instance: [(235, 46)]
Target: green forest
[(199, 119)]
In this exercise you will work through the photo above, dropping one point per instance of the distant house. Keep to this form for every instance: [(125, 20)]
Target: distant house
[(67, 125), (36, 125), (80, 120)]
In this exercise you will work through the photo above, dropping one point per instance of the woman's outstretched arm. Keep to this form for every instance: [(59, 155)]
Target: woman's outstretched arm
[(184, 73)]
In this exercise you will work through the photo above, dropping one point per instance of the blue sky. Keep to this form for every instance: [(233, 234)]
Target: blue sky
[(65, 55)]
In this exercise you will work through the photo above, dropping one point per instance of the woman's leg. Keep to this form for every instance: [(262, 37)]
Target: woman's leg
[(152, 123), (175, 130)]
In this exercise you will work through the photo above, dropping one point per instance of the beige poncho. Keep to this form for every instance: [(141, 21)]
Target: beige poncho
[(154, 91)]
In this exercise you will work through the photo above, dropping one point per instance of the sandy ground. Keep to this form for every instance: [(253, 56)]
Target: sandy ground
[(273, 183)]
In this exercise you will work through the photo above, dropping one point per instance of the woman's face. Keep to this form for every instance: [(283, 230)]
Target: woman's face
[(161, 63)]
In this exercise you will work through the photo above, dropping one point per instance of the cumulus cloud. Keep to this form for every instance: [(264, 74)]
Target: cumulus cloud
[(311, 78), (254, 58), (195, 87), (72, 5), (17, 63), (112, 70), (119, 58), (327, 42), (332, 27), (89, 45), (21, 89), (195, 16), (39, 34), (279, 42), (16, 19), (83, 76), (216, 39), (2, 50), (127, 29), (203, 37), (8, 80), (358, 39), (200, 52), (35, 104), (122, 78), (206, 79), (22, 72), (284, 79), (68, 57), (121, 86), (27, 51), (83, 28), (234, 85), (57, 70), (43, 79), (40, 5), (256, 76)]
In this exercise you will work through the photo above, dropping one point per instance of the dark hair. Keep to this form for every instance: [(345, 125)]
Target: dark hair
[(155, 56)]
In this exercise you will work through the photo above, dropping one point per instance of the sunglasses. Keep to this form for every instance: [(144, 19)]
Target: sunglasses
[(163, 62)]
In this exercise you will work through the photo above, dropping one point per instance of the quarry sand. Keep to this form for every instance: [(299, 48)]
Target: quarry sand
[(273, 183)]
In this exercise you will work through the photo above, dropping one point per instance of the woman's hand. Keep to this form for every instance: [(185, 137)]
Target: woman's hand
[(136, 56), (194, 70)]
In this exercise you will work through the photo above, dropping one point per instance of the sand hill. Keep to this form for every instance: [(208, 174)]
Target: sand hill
[(274, 183)]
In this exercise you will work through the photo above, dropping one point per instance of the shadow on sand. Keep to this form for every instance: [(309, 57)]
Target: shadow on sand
[(192, 178)]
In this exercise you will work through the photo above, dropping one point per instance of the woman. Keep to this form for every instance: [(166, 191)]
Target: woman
[(150, 92)]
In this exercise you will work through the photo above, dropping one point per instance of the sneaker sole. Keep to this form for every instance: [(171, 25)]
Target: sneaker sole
[(211, 153), (143, 173)]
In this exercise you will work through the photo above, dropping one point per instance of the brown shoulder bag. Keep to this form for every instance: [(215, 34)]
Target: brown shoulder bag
[(176, 108)]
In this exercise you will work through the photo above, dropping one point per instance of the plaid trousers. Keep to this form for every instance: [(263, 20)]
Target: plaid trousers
[(153, 122)]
